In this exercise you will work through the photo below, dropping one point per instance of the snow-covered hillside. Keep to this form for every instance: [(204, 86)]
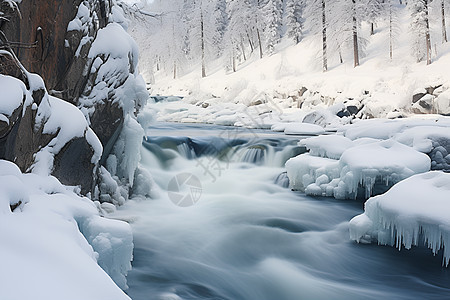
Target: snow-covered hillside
[(292, 76)]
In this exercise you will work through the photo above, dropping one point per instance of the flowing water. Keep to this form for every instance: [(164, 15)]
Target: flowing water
[(223, 225)]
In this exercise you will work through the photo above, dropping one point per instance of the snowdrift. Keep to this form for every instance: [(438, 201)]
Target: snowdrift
[(53, 239)]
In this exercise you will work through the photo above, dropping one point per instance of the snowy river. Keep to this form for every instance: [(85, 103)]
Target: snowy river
[(223, 225)]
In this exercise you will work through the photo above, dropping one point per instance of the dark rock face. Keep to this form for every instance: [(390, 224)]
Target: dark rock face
[(18, 144), (61, 59), (44, 22), (417, 97), (72, 165)]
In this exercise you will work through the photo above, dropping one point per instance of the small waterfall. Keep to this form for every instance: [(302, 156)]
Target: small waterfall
[(185, 151), (282, 180), (253, 154)]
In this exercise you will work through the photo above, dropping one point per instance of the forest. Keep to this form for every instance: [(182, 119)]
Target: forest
[(192, 32)]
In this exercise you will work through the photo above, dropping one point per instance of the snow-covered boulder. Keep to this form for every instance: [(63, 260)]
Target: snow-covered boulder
[(50, 235), (339, 167), (413, 211), (303, 129), (330, 146), (432, 140), (46, 135)]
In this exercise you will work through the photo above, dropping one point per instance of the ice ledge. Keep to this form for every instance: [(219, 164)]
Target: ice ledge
[(414, 210)]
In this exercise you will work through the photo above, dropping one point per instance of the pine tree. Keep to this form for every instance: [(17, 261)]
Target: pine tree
[(317, 23), (294, 20), (272, 10), (420, 25), (372, 11)]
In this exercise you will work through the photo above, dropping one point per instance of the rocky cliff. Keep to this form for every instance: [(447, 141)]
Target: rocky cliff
[(85, 57)]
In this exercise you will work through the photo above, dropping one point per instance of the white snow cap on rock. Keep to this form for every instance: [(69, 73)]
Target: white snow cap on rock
[(40, 223), (416, 208), (368, 157), (64, 119), (382, 162)]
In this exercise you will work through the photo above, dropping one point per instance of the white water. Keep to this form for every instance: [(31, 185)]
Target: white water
[(249, 238)]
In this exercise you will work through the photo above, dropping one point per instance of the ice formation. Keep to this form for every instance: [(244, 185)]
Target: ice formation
[(415, 210), (41, 222), (368, 157)]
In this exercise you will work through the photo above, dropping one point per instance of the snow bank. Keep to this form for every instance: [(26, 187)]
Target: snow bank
[(327, 146), (377, 164), (368, 157), (44, 255), (303, 129), (414, 210)]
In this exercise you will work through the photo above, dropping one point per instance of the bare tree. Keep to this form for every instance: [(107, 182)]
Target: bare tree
[(444, 31)]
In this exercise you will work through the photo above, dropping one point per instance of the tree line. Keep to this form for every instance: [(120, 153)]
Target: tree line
[(192, 32)]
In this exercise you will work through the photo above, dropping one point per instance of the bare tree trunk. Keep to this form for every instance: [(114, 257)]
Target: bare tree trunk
[(259, 42), (444, 31), (427, 33), (174, 70), (355, 36), (391, 40), (372, 29), (250, 42), (242, 48), (203, 44), (233, 61), (324, 38)]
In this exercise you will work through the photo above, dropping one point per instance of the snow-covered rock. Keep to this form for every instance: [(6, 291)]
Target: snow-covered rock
[(46, 135), (415, 210), (369, 156), (331, 146), (303, 129), (40, 223)]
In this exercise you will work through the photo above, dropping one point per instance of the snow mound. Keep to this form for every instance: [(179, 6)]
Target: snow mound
[(360, 171), (40, 223), (303, 129), (327, 146), (370, 156), (414, 210)]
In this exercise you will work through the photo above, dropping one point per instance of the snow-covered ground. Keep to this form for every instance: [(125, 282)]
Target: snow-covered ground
[(53, 242)]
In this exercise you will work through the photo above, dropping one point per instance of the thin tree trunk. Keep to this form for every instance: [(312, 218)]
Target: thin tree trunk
[(174, 70), (250, 42), (355, 37), (390, 32), (233, 61), (324, 38), (427, 33), (203, 45), (444, 30), (242, 48), (259, 43), (372, 29)]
